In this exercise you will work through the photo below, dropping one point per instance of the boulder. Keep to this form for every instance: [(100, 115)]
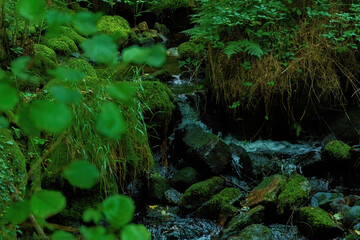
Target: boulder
[(172, 196), (336, 151), (316, 223), (200, 192), (185, 177), (351, 216), (220, 204), (62, 45), (115, 26), (323, 199), (158, 186), (254, 232), (295, 192)]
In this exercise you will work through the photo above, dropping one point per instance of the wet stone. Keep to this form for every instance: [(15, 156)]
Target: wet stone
[(172, 196), (323, 199), (254, 232)]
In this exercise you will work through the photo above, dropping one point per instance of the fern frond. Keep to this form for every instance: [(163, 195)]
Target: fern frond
[(251, 48), (232, 47)]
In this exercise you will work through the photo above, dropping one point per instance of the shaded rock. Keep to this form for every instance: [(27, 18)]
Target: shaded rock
[(220, 204), (338, 204), (267, 191), (323, 199), (294, 193), (162, 29), (317, 223), (336, 151), (83, 66), (244, 219), (62, 45), (145, 41), (285, 232), (143, 26), (44, 58), (190, 50), (115, 26), (241, 158), (209, 153), (158, 186), (352, 200), (72, 34), (150, 33), (201, 192), (162, 75), (172, 196), (254, 232), (351, 216), (185, 177)]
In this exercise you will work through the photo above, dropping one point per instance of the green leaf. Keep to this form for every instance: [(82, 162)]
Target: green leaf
[(65, 95), (248, 84), (92, 214), (47, 203), (41, 115), (154, 56), (85, 22), (18, 212), (4, 123), (62, 235), (8, 97), (67, 74), (32, 10), (119, 210), (19, 68), (271, 83), (135, 232), (55, 20), (122, 91), (82, 174), (96, 233), (101, 49), (110, 121)]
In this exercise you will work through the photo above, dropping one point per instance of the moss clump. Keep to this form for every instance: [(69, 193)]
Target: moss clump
[(158, 186), (62, 45), (220, 203), (317, 223), (44, 57), (256, 231), (295, 192), (115, 26), (12, 173), (200, 192), (185, 177), (72, 34), (190, 50), (83, 66), (337, 150)]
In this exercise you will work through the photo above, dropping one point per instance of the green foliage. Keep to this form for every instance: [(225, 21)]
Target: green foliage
[(61, 235), (154, 56), (18, 212), (67, 74), (9, 97), (82, 174), (118, 210), (135, 232), (65, 95), (251, 48), (47, 203), (32, 10), (110, 121), (101, 49)]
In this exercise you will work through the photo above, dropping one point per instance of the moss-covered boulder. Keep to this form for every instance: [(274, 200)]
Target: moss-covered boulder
[(72, 34), (316, 223), (200, 192), (208, 153), (295, 192), (185, 177), (12, 173), (191, 50), (324, 199), (62, 45), (44, 58), (220, 204), (244, 219), (83, 66), (158, 186), (254, 232), (267, 191), (336, 151), (115, 26)]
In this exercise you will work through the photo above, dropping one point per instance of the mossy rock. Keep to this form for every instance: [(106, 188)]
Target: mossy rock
[(316, 223), (200, 192), (158, 186), (208, 153), (115, 26), (220, 204), (295, 192), (72, 34), (62, 45), (254, 232), (12, 173), (336, 151), (185, 177), (83, 66), (44, 58), (267, 191), (191, 50), (244, 219)]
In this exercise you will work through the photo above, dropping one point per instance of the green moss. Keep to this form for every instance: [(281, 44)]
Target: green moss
[(162, 5), (352, 236), (72, 34), (115, 26), (220, 203), (159, 185), (83, 66), (316, 217), (62, 45), (44, 58), (200, 192), (295, 192), (338, 150), (12, 173), (256, 231), (197, 138), (190, 50)]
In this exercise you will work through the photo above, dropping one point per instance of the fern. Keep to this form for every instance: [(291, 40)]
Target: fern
[(251, 48)]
